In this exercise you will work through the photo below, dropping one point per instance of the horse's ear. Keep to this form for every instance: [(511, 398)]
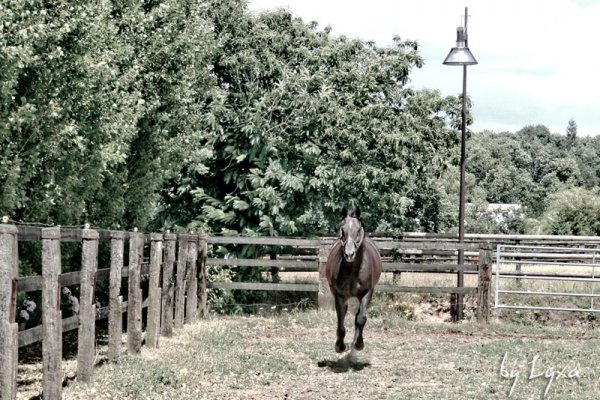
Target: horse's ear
[(357, 213), (343, 213)]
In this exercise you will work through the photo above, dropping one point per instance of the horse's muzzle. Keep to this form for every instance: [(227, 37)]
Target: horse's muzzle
[(349, 252)]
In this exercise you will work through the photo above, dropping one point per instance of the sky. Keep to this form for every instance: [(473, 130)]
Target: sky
[(539, 60)]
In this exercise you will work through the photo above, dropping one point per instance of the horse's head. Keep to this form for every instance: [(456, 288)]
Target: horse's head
[(351, 234)]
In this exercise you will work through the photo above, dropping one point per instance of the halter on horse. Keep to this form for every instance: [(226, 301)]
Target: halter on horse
[(353, 269)]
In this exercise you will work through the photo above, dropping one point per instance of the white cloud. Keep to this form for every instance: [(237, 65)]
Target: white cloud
[(538, 59)]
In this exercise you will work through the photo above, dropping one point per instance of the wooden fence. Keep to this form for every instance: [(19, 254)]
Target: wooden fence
[(311, 255), (170, 302), (173, 270)]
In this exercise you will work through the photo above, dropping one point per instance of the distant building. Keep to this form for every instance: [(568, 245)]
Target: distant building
[(499, 212), (505, 208)]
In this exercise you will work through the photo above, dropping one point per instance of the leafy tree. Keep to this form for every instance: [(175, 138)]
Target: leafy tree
[(532, 167), (528, 166), (586, 152), (500, 166), (158, 113), (571, 212), (170, 44), (97, 102), (566, 170), (65, 124), (572, 130), (309, 123)]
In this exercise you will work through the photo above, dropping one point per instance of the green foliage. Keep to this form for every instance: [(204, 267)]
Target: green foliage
[(571, 212), (65, 123), (202, 113), (97, 101), (572, 129), (219, 300), (306, 124), (169, 113), (170, 42), (531, 165)]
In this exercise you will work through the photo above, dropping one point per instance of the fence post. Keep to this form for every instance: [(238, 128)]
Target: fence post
[(202, 295), (134, 295), (8, 298), (168, 285), (182, 254), (485, 277), (154, 292), (51, 315), (191, 310), (325, 298), (115, 313), (86, 346)]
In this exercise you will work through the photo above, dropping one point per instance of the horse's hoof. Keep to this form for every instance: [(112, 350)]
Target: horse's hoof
[(340, 348), (359, 345)]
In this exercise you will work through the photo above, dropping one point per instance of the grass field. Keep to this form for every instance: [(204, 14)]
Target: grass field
[(411, 352), (291, 356)]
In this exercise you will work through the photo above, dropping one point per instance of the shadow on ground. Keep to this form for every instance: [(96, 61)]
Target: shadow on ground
[(343, 365)]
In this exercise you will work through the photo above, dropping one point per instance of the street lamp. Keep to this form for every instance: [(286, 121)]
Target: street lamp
[(461, 55)]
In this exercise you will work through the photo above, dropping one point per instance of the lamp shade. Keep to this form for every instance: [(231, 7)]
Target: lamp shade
[(460, 55)]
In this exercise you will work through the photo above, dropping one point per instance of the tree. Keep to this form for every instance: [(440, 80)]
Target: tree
[(571, 212), (65, 124), (572, 130), (528, 166), (306, 124), (170, 45), (98, 101), (481, 218), (543, 172), (501, 167)]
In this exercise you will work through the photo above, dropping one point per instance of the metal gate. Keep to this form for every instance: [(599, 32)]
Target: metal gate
[(546, 278)]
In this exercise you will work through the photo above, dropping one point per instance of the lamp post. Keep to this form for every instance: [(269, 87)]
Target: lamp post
[(461, 55)]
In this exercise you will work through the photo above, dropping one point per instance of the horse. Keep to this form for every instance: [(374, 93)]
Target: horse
[(353, 269)]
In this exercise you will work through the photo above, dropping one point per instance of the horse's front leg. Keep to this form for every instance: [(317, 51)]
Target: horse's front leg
[(359, 323), (341, 307)]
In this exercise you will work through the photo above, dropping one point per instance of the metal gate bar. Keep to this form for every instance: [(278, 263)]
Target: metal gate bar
[(548, 308), (545, 263), (549, 278), (550, 293), (546, 256)]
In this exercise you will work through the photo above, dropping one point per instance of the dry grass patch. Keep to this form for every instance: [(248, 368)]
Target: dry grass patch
[(291, 357)]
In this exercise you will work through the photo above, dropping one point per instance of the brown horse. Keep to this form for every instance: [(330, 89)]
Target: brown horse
[(353, 269)]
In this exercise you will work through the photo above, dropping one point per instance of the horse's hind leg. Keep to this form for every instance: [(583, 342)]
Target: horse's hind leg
[(360, 321), (341, 307)]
